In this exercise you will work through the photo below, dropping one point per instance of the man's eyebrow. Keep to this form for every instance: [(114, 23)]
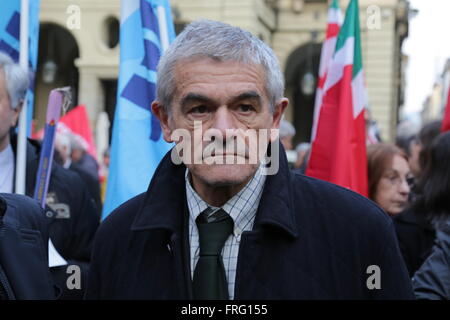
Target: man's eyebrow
[(194, 97), (197, 97), (251, 95)]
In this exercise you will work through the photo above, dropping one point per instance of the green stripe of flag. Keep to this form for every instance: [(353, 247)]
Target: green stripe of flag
[(350, 28), (335, 4)]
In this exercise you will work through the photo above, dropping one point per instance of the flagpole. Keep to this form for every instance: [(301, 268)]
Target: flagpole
[(163, 32), (22, 137)]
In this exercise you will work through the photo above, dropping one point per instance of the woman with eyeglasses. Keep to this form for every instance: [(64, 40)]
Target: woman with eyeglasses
[(389, 176)]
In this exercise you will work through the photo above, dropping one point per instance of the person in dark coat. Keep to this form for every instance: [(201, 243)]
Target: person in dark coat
[(24, 273), (72, 217), (83, 159), (62, 156), (432, 280), (416, 227), (275, 234), (416, 236)]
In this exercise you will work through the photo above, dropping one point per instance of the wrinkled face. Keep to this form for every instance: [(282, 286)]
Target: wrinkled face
[(8, 116), (393, 188), (220, 97)]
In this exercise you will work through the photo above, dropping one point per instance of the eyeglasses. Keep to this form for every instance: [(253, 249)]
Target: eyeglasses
[(397, 180)]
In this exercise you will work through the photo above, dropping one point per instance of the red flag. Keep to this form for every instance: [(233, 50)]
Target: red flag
[(446, 121), (333, 27), (338, 152), (76, 123)]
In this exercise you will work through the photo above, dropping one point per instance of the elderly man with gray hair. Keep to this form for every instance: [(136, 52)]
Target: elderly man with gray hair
[(14, 84), (71, 212), (209, 229)]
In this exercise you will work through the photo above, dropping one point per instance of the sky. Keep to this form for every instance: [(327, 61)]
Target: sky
[(428, 47)]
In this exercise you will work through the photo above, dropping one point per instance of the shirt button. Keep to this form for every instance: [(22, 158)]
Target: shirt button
[(237, 234)]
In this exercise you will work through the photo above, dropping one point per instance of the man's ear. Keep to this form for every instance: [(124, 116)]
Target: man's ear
[(15, 118), (159, 111), (277, 115)]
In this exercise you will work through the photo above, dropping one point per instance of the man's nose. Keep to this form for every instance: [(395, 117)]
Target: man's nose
[(223, 120)]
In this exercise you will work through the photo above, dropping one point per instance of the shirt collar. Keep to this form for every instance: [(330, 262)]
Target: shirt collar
[(241, 207), (6, 155)]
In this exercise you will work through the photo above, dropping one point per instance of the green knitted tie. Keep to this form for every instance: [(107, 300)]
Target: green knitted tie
[(210, 281)]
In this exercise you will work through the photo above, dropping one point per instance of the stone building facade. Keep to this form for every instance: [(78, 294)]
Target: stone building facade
[(436, 102)]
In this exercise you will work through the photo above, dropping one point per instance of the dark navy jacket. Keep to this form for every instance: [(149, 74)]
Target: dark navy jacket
[(311, 240), (72, 221), (24, 272), (416, 236), (432, 280)]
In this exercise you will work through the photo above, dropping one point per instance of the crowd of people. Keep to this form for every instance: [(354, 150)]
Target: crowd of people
[(410, 181), (281, 236)]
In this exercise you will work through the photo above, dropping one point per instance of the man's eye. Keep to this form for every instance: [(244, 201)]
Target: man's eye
[(199, 109), (246, 108)]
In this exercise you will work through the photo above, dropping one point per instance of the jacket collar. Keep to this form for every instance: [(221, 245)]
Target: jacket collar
[(276, 208), (33, 150), (166, 199)]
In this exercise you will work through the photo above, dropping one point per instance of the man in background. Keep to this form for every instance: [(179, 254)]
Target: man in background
[(72, 217)]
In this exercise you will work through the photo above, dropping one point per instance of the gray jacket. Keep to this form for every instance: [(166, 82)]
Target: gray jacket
[(432, 280)]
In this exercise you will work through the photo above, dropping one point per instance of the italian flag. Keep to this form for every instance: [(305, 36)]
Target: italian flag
[(446, 121), (338, 153), (333, 27)]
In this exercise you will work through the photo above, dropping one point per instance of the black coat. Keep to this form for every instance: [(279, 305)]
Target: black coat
[(93, 186), (432, 280), (311, 240), (24, 272), (73, 218), (415, 236)]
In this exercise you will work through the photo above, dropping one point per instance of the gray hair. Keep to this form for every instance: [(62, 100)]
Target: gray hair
[(222, 42), (77, 144), (286, 129), (16, 80), (304, 146), (63, 140)]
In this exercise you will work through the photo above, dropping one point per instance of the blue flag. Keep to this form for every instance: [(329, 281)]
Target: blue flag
[(10, 42), (137, 145)]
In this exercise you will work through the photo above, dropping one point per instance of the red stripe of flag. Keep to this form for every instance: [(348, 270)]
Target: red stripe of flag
[(446, 121), (332, 30)]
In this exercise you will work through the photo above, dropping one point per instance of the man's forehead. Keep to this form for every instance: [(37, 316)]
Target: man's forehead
[(196, 74), (210, 63)]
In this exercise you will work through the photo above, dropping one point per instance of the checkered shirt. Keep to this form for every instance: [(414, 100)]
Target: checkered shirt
[(242, 208)]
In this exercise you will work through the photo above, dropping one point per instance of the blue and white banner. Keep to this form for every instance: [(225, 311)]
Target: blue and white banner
[(10, 42), (137, 145)]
